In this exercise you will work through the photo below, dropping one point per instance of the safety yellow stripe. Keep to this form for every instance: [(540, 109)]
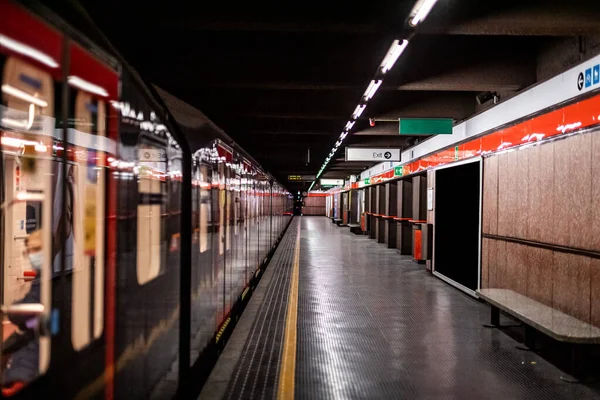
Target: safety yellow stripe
[(287, 375)]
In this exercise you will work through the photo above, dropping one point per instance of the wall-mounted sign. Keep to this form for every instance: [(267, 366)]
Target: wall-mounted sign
[(367, 181), (332, 182), (398, 170), (592, 77), (426, 126), (152, 155), (301, 178), (371, 154)]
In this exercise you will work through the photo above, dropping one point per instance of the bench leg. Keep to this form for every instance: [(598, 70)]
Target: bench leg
[(495, 319), (529, 344), (578, 361)]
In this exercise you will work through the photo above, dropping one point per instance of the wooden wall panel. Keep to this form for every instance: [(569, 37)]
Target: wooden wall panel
[(536, 193), (539, 264), (562, 186), (571, 285), (595, 292), (580, 191), (520, 191), (504, 228), (485, 246), (516, 268), (547, 179), (490, 196), (594, 228)]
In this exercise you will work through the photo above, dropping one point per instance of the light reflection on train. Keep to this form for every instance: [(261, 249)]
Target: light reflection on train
[(91, 223)]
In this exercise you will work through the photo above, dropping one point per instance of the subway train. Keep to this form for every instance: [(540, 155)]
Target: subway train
[(127, 251)]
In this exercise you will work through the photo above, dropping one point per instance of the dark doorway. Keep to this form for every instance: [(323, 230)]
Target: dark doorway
[(457, 223)]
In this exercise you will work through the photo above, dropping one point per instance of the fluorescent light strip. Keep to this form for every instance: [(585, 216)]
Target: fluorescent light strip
[(358, 111), (425, 7), (28, 51), (13, 91), (343, 135), (349, 125), (394, 52), (372, 89), (87, 86)]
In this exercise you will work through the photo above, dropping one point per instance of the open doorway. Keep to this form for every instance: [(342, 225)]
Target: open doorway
[(457, 233)]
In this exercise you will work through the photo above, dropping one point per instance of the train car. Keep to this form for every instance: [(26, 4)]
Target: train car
[(125, 252)]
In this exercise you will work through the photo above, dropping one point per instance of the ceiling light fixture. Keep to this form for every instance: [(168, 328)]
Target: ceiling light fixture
[(358, 111), (421, 10), (349, 125), (87, 86), (372, 89), (396, 49), (27, 51)]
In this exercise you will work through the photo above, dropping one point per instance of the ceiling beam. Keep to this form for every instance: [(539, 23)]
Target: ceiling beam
[(291, 116), (277, 85), (257, 132), (197, 24), (541, 21), (387, 128), (496, 75)]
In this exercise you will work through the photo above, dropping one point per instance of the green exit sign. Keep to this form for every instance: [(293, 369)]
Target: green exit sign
[(398, 170), (426, 126), (367, 181)]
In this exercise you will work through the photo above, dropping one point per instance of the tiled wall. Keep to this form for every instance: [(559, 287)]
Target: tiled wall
[(550, 194)]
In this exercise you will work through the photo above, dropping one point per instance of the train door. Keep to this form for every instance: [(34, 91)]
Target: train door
[(26, 128)]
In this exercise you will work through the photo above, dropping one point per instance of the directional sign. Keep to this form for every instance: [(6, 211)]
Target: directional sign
[(580, 81), (332, 182), (301, 178), (371, 154), (426, 126)]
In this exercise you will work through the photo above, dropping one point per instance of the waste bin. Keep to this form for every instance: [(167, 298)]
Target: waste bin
[(422, 235)]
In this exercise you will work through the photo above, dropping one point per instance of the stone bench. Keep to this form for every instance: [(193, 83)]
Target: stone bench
[(537, 316)]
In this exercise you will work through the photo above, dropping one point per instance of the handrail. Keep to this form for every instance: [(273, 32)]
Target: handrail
[(547, 246)]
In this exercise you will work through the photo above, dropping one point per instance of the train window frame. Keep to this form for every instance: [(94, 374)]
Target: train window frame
[(89, 255), (157, 197)]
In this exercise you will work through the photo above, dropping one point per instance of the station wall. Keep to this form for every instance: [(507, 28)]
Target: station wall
[(549, 196)]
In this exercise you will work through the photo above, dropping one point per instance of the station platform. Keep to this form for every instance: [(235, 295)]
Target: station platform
[(337, 315)]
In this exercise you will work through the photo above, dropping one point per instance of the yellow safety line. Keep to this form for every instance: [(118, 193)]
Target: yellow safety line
[(287, 375)]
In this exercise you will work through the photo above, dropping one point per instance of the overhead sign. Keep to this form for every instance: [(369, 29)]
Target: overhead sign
[(371, 154), (426, 126), (301, 178), (332, 182)]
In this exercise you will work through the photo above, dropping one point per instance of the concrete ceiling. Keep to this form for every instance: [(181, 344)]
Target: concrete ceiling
[(281, 77)]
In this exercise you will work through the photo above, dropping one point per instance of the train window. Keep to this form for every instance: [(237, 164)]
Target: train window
[(151, 227), (86, 180), (222, 202), (26, 129), (204, 207)]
